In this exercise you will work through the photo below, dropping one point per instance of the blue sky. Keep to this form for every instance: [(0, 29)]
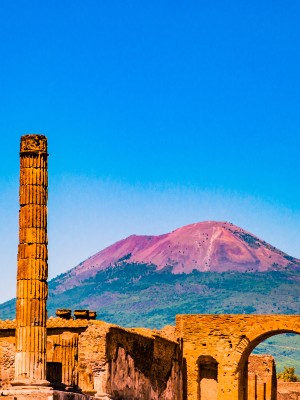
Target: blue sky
[(158, 114)]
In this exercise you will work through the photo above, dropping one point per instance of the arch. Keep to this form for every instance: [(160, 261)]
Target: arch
[(229, 339), (241, 359)]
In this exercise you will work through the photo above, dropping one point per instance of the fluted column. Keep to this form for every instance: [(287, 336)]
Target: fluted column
[(32, 288), (68, 356)]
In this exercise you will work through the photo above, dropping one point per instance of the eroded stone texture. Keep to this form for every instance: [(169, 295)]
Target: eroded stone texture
[(7, 360), (32, 289), (40, 393), (62, 355), (209, 361), (92, 364), (143, 367), (105, 361), (288, 390)]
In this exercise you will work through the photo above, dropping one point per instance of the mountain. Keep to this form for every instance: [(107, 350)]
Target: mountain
[(203, 268), (207, 267), (205, 247)]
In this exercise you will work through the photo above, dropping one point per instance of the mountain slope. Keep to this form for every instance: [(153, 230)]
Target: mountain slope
[(206, 246), (209, 267)]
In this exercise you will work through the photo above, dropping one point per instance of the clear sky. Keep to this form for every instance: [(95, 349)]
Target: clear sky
[(158, 114)]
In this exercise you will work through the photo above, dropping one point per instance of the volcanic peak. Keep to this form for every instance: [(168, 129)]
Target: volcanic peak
[(203, 246)]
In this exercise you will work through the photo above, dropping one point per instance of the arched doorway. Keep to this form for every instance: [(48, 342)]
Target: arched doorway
[(257, 373), (285, 348), (208, 378), (229, 339)]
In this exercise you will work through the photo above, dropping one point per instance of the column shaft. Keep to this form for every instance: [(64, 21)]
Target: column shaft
[(32, 288)]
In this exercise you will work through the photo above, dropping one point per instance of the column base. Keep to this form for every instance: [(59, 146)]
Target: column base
[(28, 392), (44, 393), (30, 383)]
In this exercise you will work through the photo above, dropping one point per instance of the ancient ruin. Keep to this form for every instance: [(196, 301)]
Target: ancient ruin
[(223, 343), (76, 357), (262, 382), (32, 288)]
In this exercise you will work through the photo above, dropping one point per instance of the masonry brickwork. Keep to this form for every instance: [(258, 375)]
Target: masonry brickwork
[(102, 361), (227, 341), (262, 382), (143, 367), (207, 360), (288, 390)]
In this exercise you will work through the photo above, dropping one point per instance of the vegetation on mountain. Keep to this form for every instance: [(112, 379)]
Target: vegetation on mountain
[(134, 294), (137, 295)]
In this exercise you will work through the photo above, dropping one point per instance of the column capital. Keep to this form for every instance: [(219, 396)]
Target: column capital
[(33, 143)]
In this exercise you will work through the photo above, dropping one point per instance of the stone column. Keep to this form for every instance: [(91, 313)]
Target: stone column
[(69, 355), (32, 288)]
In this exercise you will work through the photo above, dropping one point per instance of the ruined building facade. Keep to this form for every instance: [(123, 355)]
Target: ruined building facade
[(75, 357)]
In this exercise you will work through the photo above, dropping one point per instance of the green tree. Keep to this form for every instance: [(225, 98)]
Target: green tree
[(288, 375)]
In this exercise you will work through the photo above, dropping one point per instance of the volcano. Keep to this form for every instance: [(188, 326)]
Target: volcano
[(205, 246), (203, 268)]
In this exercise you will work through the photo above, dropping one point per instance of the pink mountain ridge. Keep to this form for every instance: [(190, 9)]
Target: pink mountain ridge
[(204, 246)]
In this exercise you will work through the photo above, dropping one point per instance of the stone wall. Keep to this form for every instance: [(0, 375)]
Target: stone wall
[(92, 364), (102, 360), (205, 357), (228, 340), (7, 360), (262, 382), (143, 367)]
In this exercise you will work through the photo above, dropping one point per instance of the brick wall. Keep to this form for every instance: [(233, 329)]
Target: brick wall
[(262, 382), (143, 367), (229, 339)]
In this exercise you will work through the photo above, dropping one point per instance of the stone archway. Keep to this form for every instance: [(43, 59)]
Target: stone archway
[(229, 339), (241, 359)]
